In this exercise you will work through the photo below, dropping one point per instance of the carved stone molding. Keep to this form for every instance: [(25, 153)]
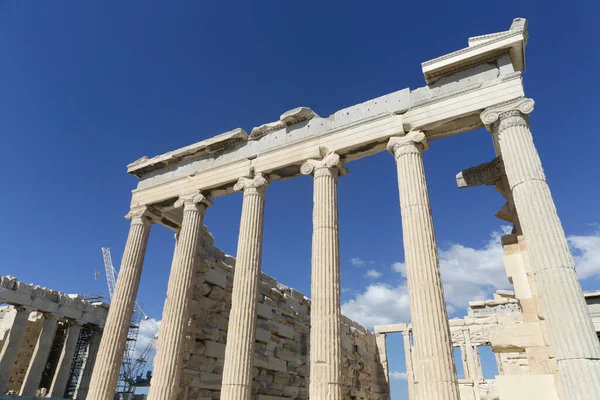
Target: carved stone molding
[(258, 184), (141, 215), (192, 201), (413, 140), (484, 174), (329, 165), (521, 107)]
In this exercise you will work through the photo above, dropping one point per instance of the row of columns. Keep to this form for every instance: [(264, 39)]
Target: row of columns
[(41, 352), (576, 345)]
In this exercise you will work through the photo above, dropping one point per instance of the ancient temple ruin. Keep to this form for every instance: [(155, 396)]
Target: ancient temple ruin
[(263, 343), (48, 340)]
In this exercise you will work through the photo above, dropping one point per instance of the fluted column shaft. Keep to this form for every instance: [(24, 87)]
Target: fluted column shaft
[(168, 364), (63, 369), (241, 331), (325, 312), (112, 346), (432, 342), (408, 357), (571, 331), (36, 367), (9, 352)]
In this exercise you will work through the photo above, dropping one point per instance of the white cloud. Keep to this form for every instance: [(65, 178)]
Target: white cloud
[(373, 274), (398, 376), (467, 273), (380, 304), (358, 262), (586, 251)]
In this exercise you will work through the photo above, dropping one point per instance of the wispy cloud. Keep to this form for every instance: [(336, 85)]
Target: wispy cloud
[(358, 262), (373, 274), (398, 376)]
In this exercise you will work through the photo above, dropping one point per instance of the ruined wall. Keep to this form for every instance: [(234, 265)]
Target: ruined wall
[(282, 340)]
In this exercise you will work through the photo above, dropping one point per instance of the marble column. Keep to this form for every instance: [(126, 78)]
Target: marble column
[(432, 341), (9, 352), (168, 364), (408, 357), (63, 369), (112, 346), (83, 385), (241, 333), (33, 376), (382, 351), (325, 313), (572, 334)]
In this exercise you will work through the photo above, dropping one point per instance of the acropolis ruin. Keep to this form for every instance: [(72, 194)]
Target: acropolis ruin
[(231, 332)]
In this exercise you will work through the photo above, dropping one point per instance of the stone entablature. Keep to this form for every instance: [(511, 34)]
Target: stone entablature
[(282, 346), (72, 306)]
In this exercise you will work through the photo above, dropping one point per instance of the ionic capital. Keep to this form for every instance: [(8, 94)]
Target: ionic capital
[(409, 143), (193, 201), (140, 216), (257, 184), (330, 165), (494, 116)]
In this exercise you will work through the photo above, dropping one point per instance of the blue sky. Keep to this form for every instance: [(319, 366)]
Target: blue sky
[(87, 87)]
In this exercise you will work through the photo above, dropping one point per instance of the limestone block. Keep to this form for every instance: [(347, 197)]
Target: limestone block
[(516, 337), (214, 349), (270, 363), (526, 387), (538, 360), (216, 277), (265, 311)]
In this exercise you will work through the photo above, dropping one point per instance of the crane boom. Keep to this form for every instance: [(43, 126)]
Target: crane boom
[(110, 271), (131, 368)]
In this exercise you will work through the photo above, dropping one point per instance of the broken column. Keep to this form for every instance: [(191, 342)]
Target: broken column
[(112, 346), (241, 333), (9, 352), (33, 376), (572, 335), (432, 342), (325, 315), (171, 338)]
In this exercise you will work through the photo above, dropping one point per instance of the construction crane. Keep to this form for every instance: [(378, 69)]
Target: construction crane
[(132, 367)]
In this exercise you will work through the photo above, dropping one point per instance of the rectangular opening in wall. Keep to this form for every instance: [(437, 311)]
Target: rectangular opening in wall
[(460, 371), (489, 365)]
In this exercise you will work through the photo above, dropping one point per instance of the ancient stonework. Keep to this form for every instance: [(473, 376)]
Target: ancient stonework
[(282, 348)]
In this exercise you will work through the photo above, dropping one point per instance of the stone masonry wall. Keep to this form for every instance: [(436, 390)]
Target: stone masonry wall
[(282, 340)]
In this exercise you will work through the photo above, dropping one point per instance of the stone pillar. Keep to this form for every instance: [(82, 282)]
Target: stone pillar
[(168, 364), (63, 369), (33, 376), (382, 350), (408, 357), (9, 352), (83, 385), (572, 335), (112, 346), (432, 341), (325, 314), (241, 333)]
